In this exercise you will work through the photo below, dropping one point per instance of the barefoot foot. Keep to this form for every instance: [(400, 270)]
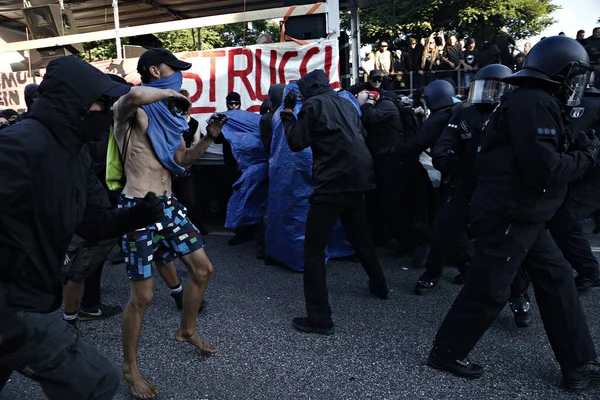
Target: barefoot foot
[(203, 346), (138, 386)]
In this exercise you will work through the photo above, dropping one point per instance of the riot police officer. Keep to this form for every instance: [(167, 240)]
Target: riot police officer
[(582, 200), (455, 156), (438, 99), (522, 181)]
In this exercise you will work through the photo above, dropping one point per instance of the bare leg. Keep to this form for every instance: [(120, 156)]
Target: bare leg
[(141, 293), (73, 296), (200, 270), (169, 274)]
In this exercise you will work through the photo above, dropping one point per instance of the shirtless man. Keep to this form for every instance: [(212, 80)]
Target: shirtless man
[(149, 160)]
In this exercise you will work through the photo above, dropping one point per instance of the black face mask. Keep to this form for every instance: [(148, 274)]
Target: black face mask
[(97, 125)]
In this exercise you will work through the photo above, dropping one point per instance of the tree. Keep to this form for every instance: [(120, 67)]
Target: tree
[(211, 37), (480, 19)]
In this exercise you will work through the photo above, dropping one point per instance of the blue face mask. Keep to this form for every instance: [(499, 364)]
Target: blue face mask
[(172, 82)]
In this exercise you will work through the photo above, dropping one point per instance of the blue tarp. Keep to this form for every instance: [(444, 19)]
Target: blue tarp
[(247, 203), (291, 184)]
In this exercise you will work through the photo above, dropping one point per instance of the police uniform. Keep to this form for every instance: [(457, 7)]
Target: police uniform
[(581, 202), (522, 181)]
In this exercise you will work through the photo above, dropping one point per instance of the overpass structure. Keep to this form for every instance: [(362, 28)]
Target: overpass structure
[(93, 20)]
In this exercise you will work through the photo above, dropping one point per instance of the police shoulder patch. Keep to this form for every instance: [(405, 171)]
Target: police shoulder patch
[(577, 112)]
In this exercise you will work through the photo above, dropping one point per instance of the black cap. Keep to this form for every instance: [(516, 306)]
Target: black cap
[(154, 57), (234, 96), (470, 40), (374, 73)]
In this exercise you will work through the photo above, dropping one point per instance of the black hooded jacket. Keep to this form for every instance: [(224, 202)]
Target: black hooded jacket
[(383, 124), (428, 135), (331, 127), (49, 190), (266, 120)]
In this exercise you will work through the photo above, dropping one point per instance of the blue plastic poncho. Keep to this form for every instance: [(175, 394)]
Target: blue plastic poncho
[(291, 184)]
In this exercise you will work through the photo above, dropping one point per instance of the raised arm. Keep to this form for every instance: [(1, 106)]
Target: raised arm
[(139, 96)]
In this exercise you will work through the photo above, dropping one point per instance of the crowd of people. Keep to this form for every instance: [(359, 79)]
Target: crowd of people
[(441, 56), (94, 159)]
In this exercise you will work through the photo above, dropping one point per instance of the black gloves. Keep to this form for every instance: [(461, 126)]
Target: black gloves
[(589, 144), (291, 99), (446, 165), (149, 210)]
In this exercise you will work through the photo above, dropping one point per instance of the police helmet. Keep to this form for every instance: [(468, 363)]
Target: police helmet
[(487, 86), (557, 60), (438, 95)]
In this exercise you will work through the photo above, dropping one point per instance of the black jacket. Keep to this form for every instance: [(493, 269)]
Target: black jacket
[(49, 190), (582, 118), (523, 172), (266, 120), (383, 125), (428, 135), (455, 153), (331, 127)]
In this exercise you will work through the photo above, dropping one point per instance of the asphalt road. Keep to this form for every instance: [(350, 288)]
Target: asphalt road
[(378, 351)]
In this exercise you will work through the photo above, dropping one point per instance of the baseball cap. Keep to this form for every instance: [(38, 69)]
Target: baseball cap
[(154, 57), (374, 73), (470, 40)]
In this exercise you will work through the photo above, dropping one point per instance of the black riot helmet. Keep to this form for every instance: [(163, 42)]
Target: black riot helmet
[(438, 94), (487, 86), (559, 61)]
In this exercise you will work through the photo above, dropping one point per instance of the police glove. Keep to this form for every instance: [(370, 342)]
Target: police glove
[(150, 209), (590, 148), (291, 99)]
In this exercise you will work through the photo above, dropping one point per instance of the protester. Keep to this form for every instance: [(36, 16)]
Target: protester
[(49, 192), (342, 173), (155, 111)]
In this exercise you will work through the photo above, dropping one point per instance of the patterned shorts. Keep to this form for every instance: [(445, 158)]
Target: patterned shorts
[(172, 236)]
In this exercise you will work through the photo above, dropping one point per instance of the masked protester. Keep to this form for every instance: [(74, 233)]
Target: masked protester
[(31, 94), (10, 116), (50, 193), (523, 177), (342, 173)]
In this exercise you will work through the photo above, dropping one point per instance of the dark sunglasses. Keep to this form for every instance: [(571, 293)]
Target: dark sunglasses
[(377, 79), (384, 46), (234, 103)]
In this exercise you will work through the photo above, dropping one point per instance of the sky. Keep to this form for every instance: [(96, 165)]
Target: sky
[(573, 16)]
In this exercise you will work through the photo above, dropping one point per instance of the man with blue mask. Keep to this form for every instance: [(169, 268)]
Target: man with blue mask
[(149, 124)]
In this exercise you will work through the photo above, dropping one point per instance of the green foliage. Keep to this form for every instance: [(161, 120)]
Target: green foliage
[(480, 19), (187, 40)]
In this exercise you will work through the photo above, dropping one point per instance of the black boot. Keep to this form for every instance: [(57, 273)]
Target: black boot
[(520, 307), (463, 368), (427, 281), (306, 325), (378, 289), (583, 377), (584, 284)]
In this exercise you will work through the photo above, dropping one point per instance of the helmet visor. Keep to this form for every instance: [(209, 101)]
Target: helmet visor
[(487, 91), (576, 87)]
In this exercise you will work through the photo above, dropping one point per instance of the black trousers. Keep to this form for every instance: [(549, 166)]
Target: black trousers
[(501, 248), (449, 237), (92, 291), (324, 211), (568, 234)]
